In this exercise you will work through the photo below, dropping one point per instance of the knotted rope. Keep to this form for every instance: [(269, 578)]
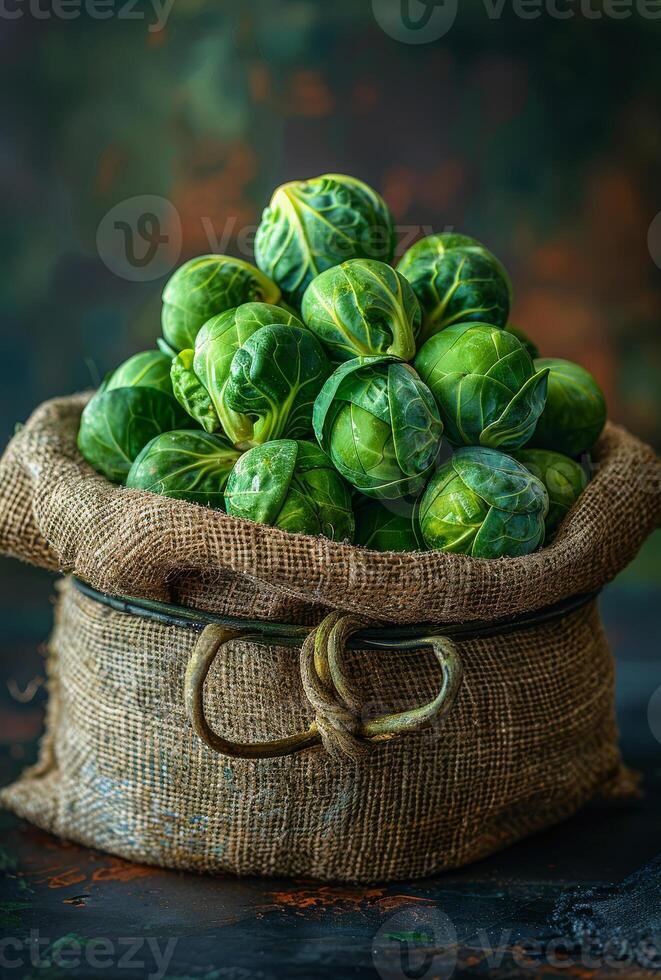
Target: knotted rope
[(337, 710)]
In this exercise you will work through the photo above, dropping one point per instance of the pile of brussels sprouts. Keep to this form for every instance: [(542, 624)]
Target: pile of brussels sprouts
[(327, 392)]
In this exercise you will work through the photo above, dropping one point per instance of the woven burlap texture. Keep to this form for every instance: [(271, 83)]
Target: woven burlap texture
[(55, 511), (529, 740)]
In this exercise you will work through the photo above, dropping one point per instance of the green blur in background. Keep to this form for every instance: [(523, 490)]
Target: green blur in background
[(134, 142)]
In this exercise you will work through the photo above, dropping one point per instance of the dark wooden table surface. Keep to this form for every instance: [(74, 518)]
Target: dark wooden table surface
[(67, 911)]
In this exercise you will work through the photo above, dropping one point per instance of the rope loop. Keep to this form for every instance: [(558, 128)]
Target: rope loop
[(338, 724)]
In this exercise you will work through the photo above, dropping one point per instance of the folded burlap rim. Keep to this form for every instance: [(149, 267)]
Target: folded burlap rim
[(58, 513)]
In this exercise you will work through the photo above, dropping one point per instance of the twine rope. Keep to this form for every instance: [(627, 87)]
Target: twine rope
[(337, 710)]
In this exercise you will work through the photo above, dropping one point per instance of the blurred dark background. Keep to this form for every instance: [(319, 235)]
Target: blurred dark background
[(535, 131)]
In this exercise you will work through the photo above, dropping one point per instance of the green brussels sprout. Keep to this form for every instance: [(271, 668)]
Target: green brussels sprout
[(485, 384), (265, 392), (206, 286), (381, 528), (117, 424), (275, 377), (457, 280), (524, 339), (363, 307), (199, 377), (575, 411), (485, 504), (191, 393), (311, 225), (564, 479), (291, 485), (187, 464), (149, 369), (380, 426)]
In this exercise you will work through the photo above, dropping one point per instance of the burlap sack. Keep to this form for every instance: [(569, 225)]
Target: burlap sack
[(530, 738)]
